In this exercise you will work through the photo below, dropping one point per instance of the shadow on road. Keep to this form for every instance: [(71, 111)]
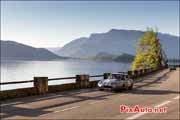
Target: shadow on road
[(14, 110), (149, 80), (75, 97), (153, 92)]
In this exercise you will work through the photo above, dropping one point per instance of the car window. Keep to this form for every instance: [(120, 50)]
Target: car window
[(116, 76)]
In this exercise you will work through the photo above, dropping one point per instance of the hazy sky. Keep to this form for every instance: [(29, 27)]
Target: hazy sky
[(55, 23)]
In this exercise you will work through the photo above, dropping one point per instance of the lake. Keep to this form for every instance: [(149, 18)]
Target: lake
[(26, 70)]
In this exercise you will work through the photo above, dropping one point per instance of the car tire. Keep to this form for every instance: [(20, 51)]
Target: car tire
[(101, 89), (130, 87), (115, 90)]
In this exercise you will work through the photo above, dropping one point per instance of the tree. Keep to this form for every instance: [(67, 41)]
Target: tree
[(149, 52)]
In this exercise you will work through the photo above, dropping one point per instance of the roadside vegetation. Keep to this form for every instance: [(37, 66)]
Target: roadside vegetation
[(149, 52)]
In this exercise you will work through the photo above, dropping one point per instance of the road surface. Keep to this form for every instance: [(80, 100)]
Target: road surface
[(157, 90)]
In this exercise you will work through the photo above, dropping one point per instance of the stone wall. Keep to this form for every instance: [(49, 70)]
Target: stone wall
[(82, 81)]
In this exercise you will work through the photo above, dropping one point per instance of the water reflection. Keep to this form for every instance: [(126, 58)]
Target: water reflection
[(26, 70)]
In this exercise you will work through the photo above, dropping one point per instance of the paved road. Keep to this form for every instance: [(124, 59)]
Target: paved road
[(160, 89)]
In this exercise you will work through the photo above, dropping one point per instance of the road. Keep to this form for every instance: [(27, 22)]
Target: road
[(159, 89)]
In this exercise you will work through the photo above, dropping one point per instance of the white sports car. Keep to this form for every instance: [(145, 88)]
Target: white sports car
[(116, 81)]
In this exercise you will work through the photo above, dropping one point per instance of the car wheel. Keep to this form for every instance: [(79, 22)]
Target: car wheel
[(101, 89), (130, 87), (115, 90)]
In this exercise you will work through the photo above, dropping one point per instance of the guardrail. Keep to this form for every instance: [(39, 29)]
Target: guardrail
[(82, 81), (16, 82), (51, 79)]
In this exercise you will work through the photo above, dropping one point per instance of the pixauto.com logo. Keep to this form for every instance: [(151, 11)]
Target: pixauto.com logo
[(138, 109)]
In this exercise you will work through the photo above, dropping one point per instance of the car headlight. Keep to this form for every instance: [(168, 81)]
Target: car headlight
[(100, 82)]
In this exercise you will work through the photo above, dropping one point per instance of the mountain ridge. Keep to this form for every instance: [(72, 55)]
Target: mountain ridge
[(124, 57), (11, 50), (115, 41)]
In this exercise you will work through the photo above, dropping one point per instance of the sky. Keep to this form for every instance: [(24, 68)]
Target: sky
[(56, 23)]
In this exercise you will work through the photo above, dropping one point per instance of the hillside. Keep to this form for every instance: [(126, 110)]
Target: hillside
[(53, 49), (11, 50), (115, 42), (124, 58), (109, 57)]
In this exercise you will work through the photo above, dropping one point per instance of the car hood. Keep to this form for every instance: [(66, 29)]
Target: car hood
[(109, 81)]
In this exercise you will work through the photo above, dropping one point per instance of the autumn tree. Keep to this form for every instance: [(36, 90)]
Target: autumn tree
[(149, 52)]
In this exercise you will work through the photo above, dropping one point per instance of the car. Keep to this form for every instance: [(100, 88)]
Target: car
[(116, 81)]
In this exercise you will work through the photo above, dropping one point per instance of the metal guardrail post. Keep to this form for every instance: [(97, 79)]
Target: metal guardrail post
[(41, 85)]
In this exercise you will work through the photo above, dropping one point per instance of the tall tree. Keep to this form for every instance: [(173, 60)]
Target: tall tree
[(149, 52)]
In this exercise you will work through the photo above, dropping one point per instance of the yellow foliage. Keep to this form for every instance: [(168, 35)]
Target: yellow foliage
[(148, 52)]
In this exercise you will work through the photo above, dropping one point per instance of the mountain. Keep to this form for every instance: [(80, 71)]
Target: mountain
[(54, 49), (115, 42), (11, 50), (109, 57), (124, 58), (69, 49), (104, 56)]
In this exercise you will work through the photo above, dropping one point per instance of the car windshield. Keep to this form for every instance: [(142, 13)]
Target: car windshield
[(117, 76)]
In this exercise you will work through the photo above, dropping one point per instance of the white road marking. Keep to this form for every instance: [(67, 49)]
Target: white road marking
[(140, 114), (95, 102), (10, 104), (164, 103), (67, 109), (177, 97)]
